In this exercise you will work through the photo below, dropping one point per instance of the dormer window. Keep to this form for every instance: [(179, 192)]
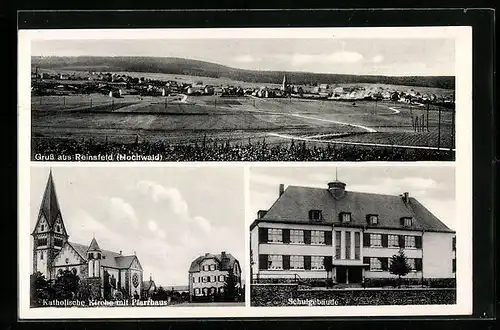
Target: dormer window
[(406, 221), (315, 215), (345, 217), (372, 219), (58, 229)]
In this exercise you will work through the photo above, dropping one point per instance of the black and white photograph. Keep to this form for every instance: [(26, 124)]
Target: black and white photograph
[(136, 237), (244, 95), (353, 236)]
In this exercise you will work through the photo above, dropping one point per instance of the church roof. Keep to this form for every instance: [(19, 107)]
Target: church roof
[(50, 205), (226, 263), (94, 246), (109, 258), (294, 204)]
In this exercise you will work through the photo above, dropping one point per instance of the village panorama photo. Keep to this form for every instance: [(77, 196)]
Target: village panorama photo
[(244, 95)]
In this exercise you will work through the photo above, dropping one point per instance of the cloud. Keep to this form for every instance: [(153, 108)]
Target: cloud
[(345, 57), (122, 211), (203, 223), (377, 58), (159, 192), (152, 225), (245, 59)]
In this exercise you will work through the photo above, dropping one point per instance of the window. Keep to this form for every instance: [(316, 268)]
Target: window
[(373, 219), (315, 215), (454, 265), (454, 243), (375, 240), (194, 279), (317, 237), (204, 279), (42, 228), (410, 242), (197, 291), (345, 217), (393, 241), (375, 264), (348, 245), (213, 278), (221, 278), (212, 267), (337, 244), (58, 242), (42, 241), (411, 263), (41, 255), (275, 262), (357, 243), (275, 235), (66, 260), (317, 263), (296, 262), (98, 255), (406, 221), (297, 236), (58, 228)]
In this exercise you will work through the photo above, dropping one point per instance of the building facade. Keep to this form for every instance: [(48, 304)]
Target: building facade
[(208, 273), (314, 233), (106, 271)]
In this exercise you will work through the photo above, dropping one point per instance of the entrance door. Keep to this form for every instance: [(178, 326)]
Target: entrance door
[(341, 274), (355, 275)]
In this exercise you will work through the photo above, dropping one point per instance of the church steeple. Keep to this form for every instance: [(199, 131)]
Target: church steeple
[(49, 207), (49, 234)]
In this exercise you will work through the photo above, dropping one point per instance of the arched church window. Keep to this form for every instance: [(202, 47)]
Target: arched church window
[(41, 255)]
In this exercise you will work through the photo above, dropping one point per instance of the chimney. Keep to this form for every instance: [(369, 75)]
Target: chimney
[(151, 277), (206, 254), (406, 197), (261, 214), (282, 189), (120, 252), (336, 188), (223, 255)]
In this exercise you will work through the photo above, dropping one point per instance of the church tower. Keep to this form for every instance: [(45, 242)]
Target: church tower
[(94, 255), (49, 234)]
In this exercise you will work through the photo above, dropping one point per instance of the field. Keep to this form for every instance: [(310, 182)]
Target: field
[(185, 120)]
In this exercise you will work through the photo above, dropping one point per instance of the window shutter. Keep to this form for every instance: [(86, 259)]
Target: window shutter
[(263, 261), (366, 239), (262, 235), (307, 262), (418, 242), (402, 241), (307, 236), (328, 262), (328, 237), (384, 240), (366, 260), (384, 263), (418, 264), (286, 262), (286, 235)]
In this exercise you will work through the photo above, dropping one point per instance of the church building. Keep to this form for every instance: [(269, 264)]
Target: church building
[(107, 272)]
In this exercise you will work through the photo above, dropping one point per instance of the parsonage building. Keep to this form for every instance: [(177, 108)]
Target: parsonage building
[(53, 252), (208, 273), (315, 233)]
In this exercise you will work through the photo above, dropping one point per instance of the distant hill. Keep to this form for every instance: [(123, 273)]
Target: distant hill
[(173, 65)]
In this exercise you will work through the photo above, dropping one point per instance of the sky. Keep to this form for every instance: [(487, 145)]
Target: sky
[(374, 56), (167, 216), (433, 186)]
